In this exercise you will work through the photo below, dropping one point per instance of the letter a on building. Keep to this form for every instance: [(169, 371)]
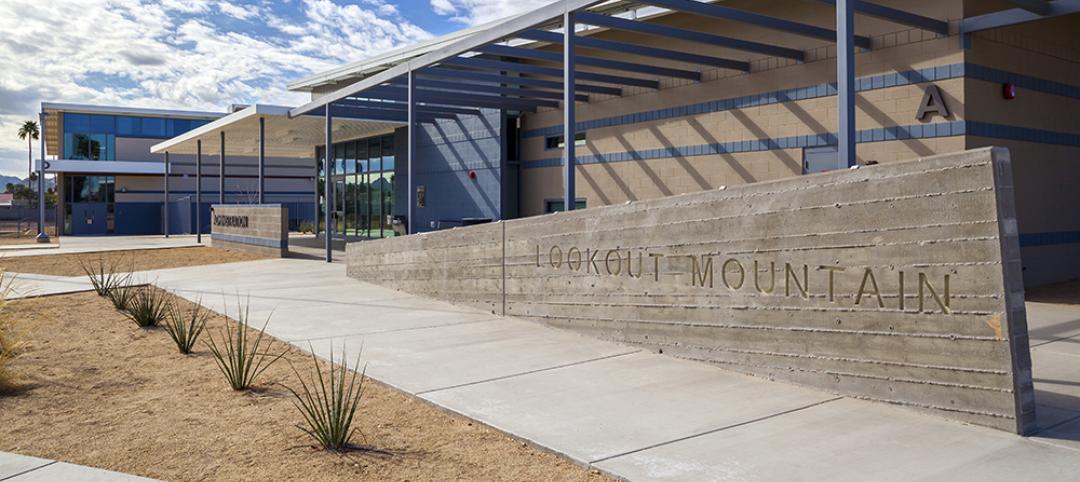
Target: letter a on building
[(932, 102)]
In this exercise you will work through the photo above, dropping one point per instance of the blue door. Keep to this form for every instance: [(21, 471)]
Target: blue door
[(89, 218)]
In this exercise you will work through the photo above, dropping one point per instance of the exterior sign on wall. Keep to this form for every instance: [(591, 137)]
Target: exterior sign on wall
[(898, 282), (255, 228), (932, 103)]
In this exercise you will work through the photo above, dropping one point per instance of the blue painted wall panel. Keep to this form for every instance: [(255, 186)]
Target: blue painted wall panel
[(446, 152), (138, 218)]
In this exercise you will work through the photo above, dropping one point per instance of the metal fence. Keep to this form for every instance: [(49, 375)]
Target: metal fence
[(21, 221)]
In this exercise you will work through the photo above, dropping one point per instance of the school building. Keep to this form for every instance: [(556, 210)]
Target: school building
[(668, 97)]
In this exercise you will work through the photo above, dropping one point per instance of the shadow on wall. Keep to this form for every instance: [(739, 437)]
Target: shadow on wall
[(468, 144)]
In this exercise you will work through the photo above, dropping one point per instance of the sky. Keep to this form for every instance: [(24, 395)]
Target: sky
[(197, 54)]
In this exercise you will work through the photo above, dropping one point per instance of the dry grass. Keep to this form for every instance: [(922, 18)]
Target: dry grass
[(101, 392), (141, 259), (10, 340)]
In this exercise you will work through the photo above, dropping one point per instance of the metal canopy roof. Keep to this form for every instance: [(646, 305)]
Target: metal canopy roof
[(284, 137), (484, 68)]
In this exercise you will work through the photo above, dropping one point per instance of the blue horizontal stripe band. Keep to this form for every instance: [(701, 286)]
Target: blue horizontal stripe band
[(252, 240), (1032, 240), (917, 131), (862, 84)]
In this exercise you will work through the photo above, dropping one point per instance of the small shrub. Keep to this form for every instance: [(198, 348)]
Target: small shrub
[(329, 402), (121, 295), (148, 306), (105, 275), (185, 326), (240, 358)]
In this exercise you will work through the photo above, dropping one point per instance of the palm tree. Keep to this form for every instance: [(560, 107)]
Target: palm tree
[(30, 132)]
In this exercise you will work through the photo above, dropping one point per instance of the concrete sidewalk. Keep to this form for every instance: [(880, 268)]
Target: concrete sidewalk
[(88, 244), (21, 468), (629, 413)]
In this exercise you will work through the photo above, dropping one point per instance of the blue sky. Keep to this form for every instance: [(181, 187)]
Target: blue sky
[(197, 54)]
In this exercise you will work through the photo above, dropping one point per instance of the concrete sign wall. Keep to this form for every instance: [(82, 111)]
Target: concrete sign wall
[(898, 283), (255, 228)]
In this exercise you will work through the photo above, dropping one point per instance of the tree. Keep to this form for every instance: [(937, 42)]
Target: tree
[(30, 132)]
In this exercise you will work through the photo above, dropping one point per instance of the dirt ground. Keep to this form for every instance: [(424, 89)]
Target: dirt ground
[(140, 259), (99, 391), (1067, 293)]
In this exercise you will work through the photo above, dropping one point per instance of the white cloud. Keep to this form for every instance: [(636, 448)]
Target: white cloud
[(475, 12), (172, 54)]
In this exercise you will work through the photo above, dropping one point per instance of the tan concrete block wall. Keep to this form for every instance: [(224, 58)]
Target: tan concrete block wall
[(896, 49), (1045, 173), (641, 274), (617, 182)]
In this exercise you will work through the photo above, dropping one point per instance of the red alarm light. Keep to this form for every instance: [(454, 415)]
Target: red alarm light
[(1008, 91), (472, 174)]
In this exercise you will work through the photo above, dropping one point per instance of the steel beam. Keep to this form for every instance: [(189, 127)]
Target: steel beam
[(42, 236), (524, 53), (198, 190), (898, 16), (494, 33), (456, 98), (569, 111), (1016, 16), (262, 160), (401, 107), (328, 155), (639, 50), (221, 171), (411, 133), (845, 81), (617, 23), (469, 87), (1038, 7), (440, 73), (486, 64), (165, 213), (743, 16)]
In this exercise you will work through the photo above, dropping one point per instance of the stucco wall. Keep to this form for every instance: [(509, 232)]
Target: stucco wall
[(836, 281)]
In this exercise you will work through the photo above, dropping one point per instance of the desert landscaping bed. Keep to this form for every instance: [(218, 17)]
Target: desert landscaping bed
[(139, 259), (99, 391)]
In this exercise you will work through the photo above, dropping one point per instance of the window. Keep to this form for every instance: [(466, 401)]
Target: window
[(363, 186), (89, 189), (128, 126), (820, 159), (93, 147), (556, 142), (557, 205)]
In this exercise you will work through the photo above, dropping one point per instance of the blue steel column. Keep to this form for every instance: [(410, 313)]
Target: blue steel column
[(329, 154), (165, 213), (262, 159), (845, 80), (42, 237), (198, 191), (569, 117), (221, 171), (410, 197)]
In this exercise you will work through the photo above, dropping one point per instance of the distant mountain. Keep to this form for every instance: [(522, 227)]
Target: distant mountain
[(5, 180)]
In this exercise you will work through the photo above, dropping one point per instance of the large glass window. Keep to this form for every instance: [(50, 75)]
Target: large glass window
[(93, 136), (363, 182)]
